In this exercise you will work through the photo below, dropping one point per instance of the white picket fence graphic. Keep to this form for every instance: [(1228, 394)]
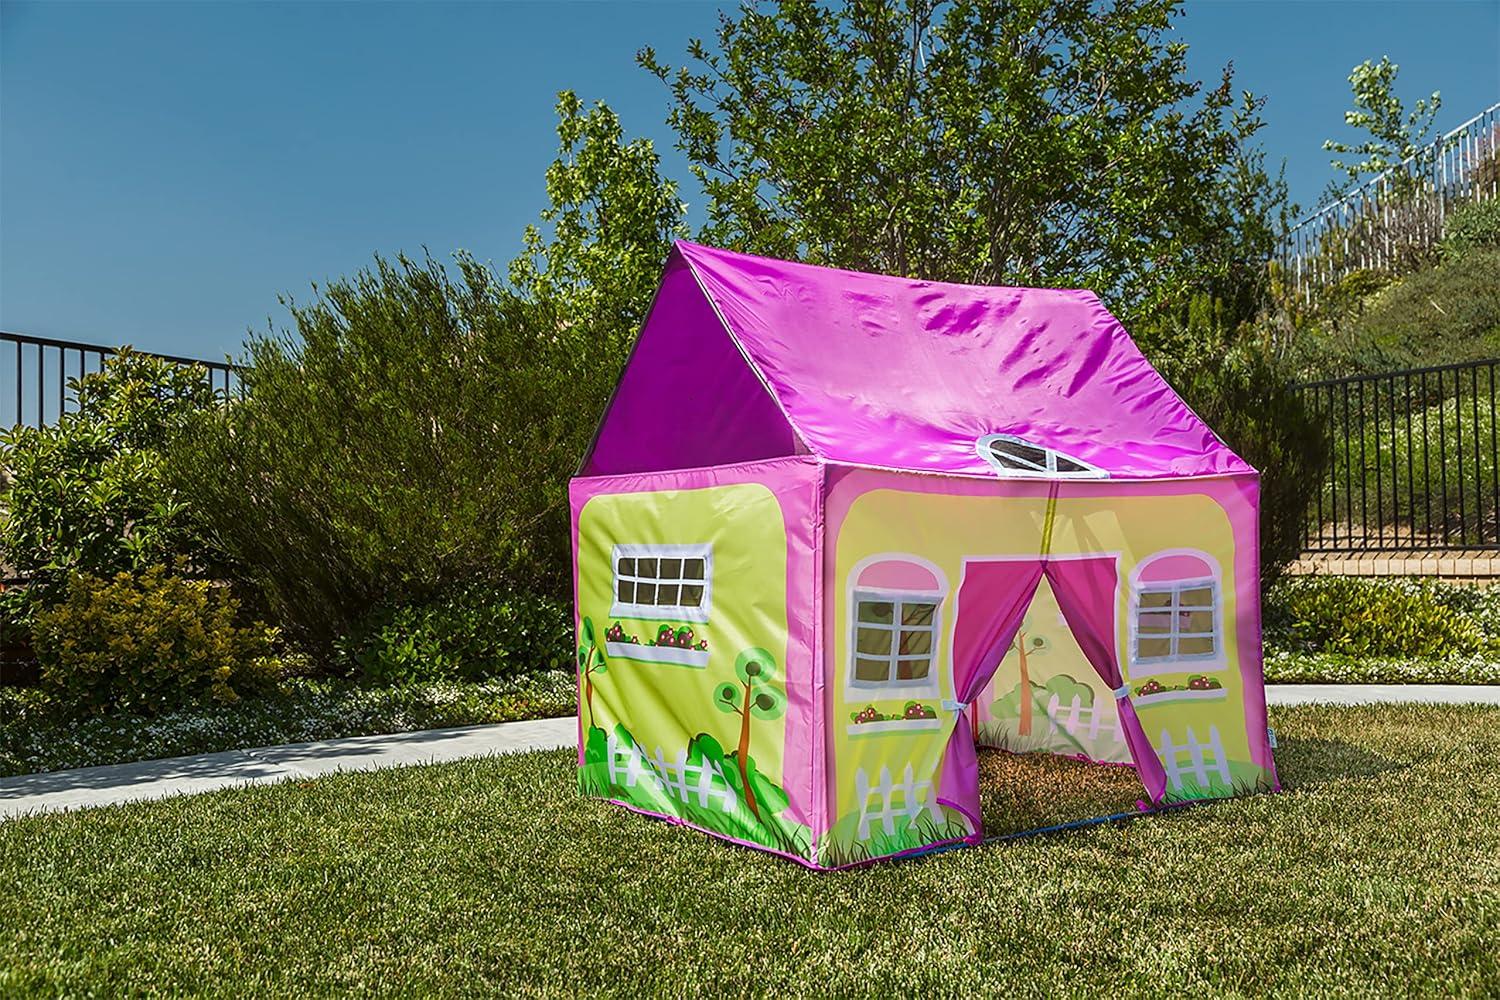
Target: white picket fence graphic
[(627, 765), (1201, 763), (914, 797), (1076, 718)]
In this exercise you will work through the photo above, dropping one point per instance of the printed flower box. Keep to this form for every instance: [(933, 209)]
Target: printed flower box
[(1178, 695), (1199, 687), (646, 653), (915, 717), (894, 726)]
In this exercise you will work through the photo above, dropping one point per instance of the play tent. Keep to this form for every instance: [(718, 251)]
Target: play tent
[(835, 529)]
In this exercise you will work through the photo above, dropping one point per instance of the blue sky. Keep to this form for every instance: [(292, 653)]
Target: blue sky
[(167, 169)]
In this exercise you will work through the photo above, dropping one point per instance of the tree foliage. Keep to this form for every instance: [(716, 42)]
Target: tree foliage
[(1393, 134), (611, 217), (1038, 142), (1243, 389)]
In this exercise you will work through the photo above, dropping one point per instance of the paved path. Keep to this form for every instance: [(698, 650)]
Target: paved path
[(1372, 694), (155, 779)]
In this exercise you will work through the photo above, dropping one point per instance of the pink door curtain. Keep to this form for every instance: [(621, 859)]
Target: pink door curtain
[(992, 601), (1086, 594)]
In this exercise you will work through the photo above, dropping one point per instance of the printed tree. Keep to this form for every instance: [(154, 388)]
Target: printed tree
[(1026, 646), (755, 695), (590, 662)]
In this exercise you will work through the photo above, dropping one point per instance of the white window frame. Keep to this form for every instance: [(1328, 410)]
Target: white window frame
[(892, 686), (1174, 662), (1048, 470), (662, 612)]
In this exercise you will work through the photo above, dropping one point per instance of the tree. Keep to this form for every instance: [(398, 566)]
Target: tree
[(1027, 646), (1394, 135), (87, 494), (590, 663), (1042, 142), (612, 219), (755, 695)]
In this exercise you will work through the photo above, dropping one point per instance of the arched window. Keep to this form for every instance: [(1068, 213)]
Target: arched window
[(1176, 614), (1012, 457), (895, 617)]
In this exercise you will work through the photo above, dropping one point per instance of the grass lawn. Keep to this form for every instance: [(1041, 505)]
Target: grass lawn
[(1378, 871)]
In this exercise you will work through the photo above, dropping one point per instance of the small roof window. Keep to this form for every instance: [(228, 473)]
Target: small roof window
[(1013, 457)]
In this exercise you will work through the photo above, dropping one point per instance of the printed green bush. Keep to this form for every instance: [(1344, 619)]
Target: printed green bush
[(146, 642), (1473, 226), (469, 633), (1380, 618), (87, 494)]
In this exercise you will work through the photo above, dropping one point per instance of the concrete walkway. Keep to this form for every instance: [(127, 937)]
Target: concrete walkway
[(1376, 694), (156, 779)]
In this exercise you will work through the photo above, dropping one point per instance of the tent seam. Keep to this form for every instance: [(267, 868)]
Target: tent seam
[(727, 466)]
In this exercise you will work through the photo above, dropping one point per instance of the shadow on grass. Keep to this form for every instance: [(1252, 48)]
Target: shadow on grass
[(1024, 794), (1307, 762)]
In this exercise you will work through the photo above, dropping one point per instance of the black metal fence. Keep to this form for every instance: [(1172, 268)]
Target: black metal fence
[(1414, 461), (35, 375)]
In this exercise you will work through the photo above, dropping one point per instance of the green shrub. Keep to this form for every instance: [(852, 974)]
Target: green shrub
[(1245, 396), (417, 434), (470, 633), (1375, 618), (1472, 227), (148, 641), (1332, 668), (1440, 314), (87, 494)]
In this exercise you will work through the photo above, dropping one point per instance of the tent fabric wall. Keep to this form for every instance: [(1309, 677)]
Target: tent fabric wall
[(994, 543), (756, 522)]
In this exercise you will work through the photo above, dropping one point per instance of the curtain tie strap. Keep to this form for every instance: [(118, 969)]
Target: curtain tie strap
[(955, 706), (1123, 691)]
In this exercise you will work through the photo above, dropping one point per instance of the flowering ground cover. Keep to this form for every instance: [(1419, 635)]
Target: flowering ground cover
[(36, 736), (1373, 872)]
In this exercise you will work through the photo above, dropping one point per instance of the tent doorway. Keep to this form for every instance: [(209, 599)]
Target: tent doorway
[(1045, 697), (1002, 628)]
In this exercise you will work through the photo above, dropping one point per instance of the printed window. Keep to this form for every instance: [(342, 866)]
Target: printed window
[(1177, 611), (895, 639), (1013, 457), (663, 581)]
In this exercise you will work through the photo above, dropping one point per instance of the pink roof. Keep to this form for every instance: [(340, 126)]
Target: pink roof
[(746, 357)]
